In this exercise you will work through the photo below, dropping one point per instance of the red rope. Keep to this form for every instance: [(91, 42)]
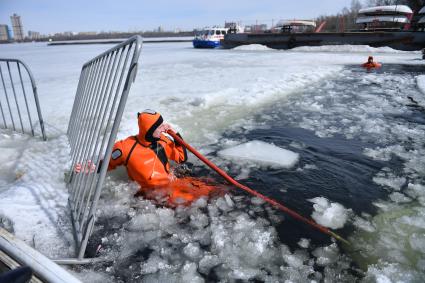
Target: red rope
[(255, 193)]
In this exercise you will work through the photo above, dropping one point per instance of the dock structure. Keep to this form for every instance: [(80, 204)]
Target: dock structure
[(400, 40)]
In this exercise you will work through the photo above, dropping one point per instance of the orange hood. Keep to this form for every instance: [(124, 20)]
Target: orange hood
[(149, 121)]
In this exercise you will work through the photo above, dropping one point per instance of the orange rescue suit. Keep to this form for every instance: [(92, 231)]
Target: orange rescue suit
[(147, 161), (145, 157), (370, 64)]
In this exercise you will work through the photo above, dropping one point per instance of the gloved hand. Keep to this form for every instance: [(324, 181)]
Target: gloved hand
[(77, 168), (90, 167), (163, 128)]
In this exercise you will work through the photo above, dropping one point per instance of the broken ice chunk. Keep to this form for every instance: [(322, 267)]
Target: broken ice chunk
[(329, 214), (262, 153)]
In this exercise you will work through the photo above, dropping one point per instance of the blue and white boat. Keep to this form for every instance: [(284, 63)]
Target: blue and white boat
[(209, 37)]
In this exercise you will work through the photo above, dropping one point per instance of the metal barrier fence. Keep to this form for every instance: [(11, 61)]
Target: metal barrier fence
[(19, 112), (98, 107)]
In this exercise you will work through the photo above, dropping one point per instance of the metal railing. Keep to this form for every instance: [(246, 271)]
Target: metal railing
[(18, 253), (98, 107), (18, 111)]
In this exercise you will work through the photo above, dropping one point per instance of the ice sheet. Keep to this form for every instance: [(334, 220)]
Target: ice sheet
[(262, 153)]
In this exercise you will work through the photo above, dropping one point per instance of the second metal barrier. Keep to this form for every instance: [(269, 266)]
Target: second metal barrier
[(19, 111)]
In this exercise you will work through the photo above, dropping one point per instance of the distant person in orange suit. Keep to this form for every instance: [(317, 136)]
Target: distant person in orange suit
[(370, 64), (147, 156)]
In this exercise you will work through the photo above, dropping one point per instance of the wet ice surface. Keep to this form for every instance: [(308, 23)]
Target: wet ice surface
[(357, 135)]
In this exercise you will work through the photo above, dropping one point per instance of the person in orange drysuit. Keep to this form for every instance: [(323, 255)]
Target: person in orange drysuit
[(146, 157), (371, 64)]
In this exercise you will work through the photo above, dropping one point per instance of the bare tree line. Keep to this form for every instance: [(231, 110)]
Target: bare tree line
[(416, 5)]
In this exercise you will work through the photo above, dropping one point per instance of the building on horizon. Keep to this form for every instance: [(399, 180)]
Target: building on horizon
[(69, 33), (34, 35), (5, 33), (87, 33), (18, 29), (159, 29)]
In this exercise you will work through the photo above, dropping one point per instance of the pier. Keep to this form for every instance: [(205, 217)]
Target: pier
[(400, 40)]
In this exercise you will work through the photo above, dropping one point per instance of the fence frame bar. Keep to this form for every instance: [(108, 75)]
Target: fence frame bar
[(14, 95)]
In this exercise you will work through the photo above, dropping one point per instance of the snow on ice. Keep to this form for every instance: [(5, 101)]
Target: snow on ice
[(33, 197), (252, 47), (350, 49), (326, 48)]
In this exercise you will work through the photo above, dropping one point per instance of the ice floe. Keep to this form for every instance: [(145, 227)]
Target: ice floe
[(262, 153), (329, 214)]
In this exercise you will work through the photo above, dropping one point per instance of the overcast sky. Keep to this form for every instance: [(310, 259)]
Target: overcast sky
[(50, 16)]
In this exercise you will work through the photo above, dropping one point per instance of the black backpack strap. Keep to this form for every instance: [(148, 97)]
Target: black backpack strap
[(131, 151), (155, 147), (160, 153)]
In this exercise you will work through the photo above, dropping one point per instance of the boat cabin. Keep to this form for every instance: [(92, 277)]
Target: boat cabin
[(214, 32), (294, 26), (392, 17), (209, 37)]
